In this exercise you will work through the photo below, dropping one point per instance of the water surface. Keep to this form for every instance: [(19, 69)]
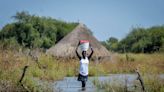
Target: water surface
[(70, 84)]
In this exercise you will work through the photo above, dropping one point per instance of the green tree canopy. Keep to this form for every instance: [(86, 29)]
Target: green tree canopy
[(146, 40), (34, 31)]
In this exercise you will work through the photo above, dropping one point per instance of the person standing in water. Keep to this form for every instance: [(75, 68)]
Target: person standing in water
[(84, 62)]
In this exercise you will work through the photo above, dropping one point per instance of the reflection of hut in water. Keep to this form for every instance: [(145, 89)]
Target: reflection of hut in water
[(65, 48)]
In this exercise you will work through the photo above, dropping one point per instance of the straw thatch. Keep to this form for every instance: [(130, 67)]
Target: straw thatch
[(66, 46)]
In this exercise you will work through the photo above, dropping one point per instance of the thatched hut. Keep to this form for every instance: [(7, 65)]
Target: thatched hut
[(66, 47)]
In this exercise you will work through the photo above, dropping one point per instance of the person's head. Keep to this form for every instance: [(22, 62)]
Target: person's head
[(84, 54)]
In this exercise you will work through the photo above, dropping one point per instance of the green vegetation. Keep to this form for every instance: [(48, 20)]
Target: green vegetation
[(152, 84), (106, 86), (29, 32), (34, 31), (145, 40), (37, 79), (51, 69), (127, 63)]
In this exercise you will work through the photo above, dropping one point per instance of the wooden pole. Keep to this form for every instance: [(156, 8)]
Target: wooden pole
[(23, 74), (20, 81), (140, 79)]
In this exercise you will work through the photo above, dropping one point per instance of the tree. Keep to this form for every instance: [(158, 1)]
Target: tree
[(145, 40), (34, 31), (111, 44)]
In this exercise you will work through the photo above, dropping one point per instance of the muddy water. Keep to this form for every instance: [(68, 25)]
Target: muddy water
[(70, 84)]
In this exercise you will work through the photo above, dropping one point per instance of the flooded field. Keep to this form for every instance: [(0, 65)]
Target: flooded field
[(70, 84)]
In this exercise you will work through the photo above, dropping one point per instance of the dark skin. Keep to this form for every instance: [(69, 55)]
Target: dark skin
[(84, 53)]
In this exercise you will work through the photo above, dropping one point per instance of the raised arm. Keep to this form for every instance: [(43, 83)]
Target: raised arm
[(77, 51), (89, 57)]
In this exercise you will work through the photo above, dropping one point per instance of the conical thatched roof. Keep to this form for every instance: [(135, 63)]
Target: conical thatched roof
[(66, 46)]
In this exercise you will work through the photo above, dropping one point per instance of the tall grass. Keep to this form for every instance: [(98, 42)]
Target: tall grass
[(150, 65), (152, 84), (122, 63), (108, 87), (51, 69)]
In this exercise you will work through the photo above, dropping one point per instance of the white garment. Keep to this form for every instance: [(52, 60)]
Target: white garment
[(84, 66)]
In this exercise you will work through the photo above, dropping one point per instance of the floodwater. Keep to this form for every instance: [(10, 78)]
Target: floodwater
[(70, 84)]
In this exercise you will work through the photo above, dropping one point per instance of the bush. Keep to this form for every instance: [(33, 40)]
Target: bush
[(34, 31)]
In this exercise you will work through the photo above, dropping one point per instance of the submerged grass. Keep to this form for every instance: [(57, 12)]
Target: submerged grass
[(108, 87), (152, 84)]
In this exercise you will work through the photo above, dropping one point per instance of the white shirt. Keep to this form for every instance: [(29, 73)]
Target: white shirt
[(84, 66)]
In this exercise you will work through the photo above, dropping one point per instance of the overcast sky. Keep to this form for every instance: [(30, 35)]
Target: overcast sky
[(106, 18)]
